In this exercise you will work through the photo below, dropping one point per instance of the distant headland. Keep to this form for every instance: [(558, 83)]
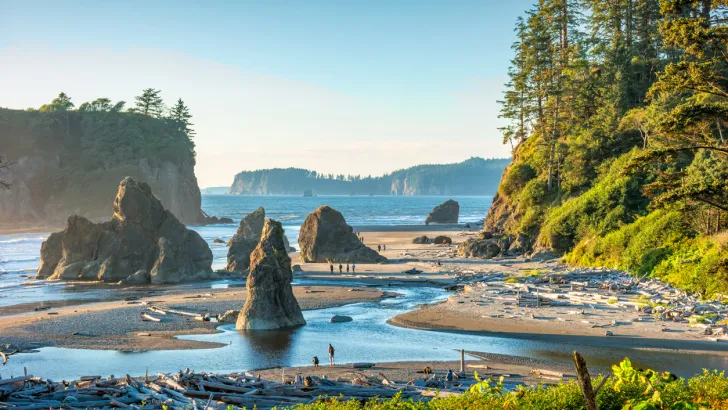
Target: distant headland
[(475, 176)]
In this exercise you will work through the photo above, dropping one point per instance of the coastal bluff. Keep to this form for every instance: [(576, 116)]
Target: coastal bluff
[(326, 237), (143, 243), (270, 303)]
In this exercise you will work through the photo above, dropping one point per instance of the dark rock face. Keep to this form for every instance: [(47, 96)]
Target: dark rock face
[(141, 236), (442, 240), (270, 303), (421, 240), (245, 240), (445, 213), (326, 237), (479, 248)]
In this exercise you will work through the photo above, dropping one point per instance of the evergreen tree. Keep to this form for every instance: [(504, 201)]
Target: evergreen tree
[(181, 114), (149, 103)]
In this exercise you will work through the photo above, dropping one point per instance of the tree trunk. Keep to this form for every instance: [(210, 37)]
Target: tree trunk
[(582, 374)]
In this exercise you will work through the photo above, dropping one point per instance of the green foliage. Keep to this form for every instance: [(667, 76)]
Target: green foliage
[(617, 111), (613, 200), (92, 149), (515, 178), (628, 389)]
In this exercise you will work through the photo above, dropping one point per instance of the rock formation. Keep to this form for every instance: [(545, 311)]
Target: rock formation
[(270, 303), (246, 239), (479, 248), (421, 240), (143, 242), (442, 240), (326, 237), (445, 213), (36, 198)]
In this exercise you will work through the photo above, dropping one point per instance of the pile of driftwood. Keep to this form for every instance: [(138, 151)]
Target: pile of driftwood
[(190, 390)]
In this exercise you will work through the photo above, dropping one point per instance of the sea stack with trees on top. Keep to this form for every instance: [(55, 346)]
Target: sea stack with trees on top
[(270, 303), (326, 237)]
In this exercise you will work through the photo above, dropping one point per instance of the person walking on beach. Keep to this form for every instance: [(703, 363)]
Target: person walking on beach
[(384, 247), (341, 269), (331, 266), (379, 248), (331, 355), (353, 268), (347, 267)]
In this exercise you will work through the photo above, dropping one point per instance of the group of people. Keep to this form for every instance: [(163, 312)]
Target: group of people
[(381, 248), (315, 359), (341, 267)]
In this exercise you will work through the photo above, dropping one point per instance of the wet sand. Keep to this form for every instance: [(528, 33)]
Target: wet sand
[(117, 324)]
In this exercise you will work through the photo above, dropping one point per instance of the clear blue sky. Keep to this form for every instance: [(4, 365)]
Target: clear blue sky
[(337, 86)]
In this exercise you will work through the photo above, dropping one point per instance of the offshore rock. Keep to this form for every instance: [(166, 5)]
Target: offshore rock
[(445, 213), (270, 303), (141, 236), (326, 237)]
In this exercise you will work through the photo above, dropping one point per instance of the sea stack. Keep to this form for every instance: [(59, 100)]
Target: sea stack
[(270, 304), (143, 242), (246, 239), (445, 213), (326, 237)]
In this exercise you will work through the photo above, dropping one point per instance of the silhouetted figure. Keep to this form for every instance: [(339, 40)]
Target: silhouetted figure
[(331, 355), (331, 266), (353, 268), (341, 269), (379, 248), (347, 267), (384, 247)]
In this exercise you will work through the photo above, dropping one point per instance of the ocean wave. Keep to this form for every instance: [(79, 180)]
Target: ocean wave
[(29, 239), (13, 260)]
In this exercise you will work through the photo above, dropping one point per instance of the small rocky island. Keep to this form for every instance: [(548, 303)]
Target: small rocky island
[(246, 239), (445, 213), (142, 243), (326, 237), (270, 303)]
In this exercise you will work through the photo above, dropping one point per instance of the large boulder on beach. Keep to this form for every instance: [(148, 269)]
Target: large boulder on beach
[(141, 236), (270, 303), (445, 213), (479, 248), (245, 240), (421, 240), (326, 237)]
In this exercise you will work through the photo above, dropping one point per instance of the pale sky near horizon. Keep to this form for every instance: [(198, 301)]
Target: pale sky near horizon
[(336, 86)]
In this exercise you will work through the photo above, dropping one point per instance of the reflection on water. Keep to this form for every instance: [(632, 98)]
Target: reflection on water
[(367, 338)]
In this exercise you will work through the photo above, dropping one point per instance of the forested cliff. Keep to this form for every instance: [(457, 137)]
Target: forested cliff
[(64, 159), (617, 112), (475, 176)]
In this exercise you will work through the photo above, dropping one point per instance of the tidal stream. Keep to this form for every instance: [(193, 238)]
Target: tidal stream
[(368, 338)]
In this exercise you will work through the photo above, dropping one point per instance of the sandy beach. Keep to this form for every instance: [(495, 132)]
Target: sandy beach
[(117, 324)]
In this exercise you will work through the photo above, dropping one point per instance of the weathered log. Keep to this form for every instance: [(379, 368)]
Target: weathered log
[(582, 374)]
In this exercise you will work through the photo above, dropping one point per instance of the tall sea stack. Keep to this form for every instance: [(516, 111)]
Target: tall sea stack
[(270, 304)]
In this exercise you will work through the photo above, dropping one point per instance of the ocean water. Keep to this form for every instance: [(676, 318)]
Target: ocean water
[(20, 253)]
